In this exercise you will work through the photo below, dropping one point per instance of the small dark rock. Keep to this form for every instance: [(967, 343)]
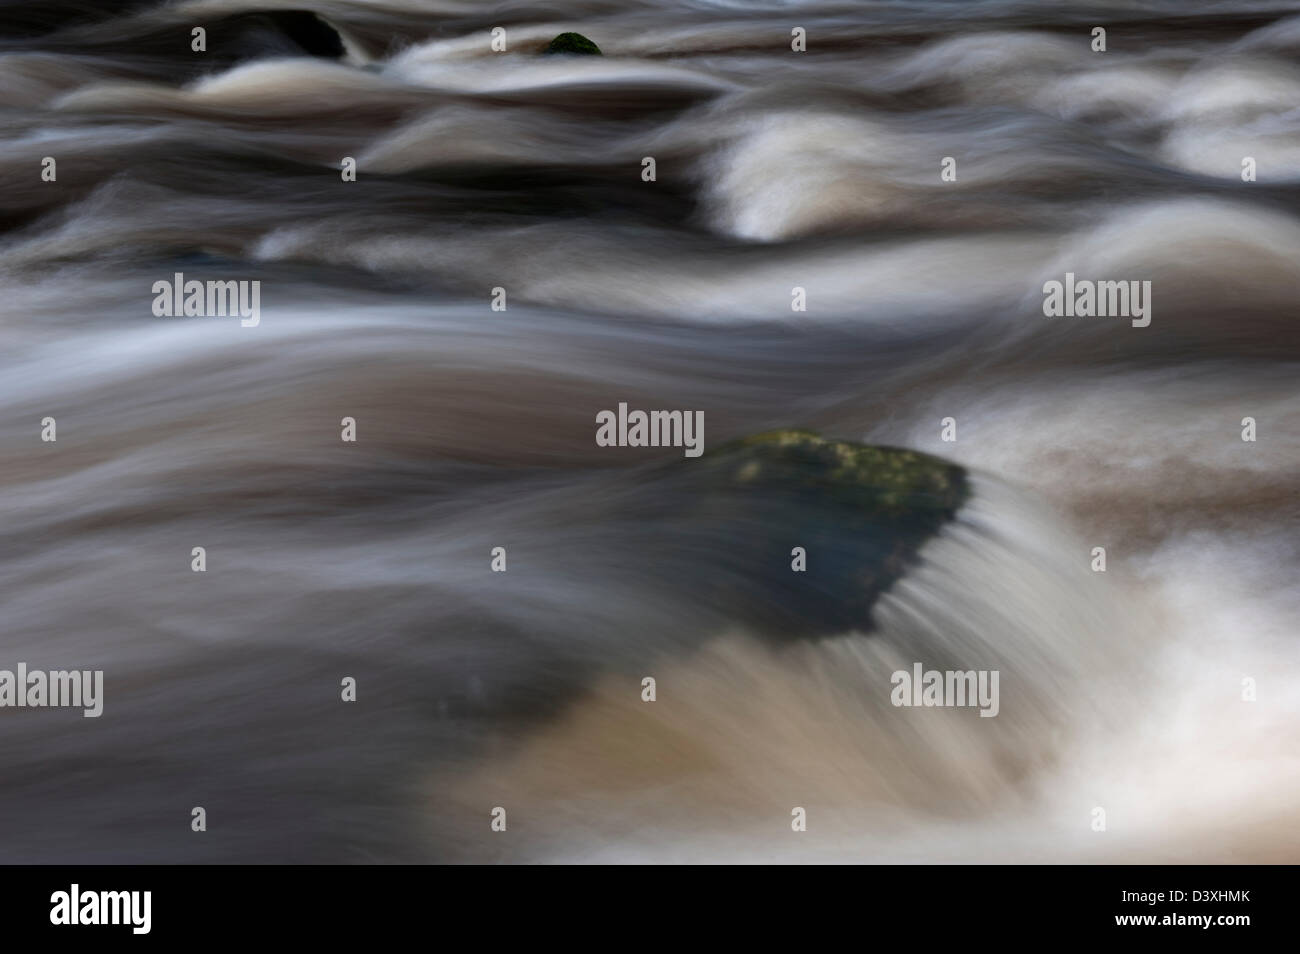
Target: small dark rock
[(574, 43)]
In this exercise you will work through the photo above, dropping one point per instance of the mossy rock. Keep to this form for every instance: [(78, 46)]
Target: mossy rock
[(574, 43), (886, 482), (860, 512)]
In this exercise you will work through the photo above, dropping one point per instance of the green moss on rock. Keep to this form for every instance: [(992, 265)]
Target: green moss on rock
[(574, 43), (884, 481)]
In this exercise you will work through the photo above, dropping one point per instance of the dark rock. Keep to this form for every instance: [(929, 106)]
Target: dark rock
[(574, 43), (265, 33), (860, 512), (165, 48)]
